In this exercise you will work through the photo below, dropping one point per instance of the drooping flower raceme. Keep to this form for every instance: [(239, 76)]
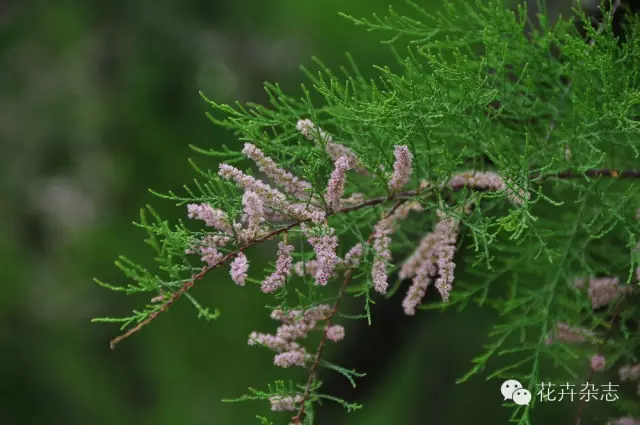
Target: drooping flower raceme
[(401, 168), (382, 232), (290, 183), (434, 255), (598, 363), (335, 150), (487, 180), (295, 325), (565, 333), (281, 403), (325, 249), (270, 196), (277, 279), (239, 269), (254, 210), (211, 216), (335, 188), (629, 372)]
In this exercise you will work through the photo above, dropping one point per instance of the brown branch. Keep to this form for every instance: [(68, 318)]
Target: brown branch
[(316, 362), (371, 202)]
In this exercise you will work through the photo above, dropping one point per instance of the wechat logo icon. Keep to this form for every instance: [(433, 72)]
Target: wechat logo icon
[(513, 390)]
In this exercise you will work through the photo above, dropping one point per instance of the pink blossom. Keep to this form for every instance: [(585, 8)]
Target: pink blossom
[(435, 249), (335, 150), (284, 262), (211, 256), (603, 290), (281, 403), (325, 249), (423, 253), (598, 363), (488, 180), (273, 342), (379, 276), (353, 257), (416, 291), (211, 216), (629, 372), (269, 195), (290, 358), (239, 269), (335, 188), (564, 332), (447, 230), (290, 183), (293, 331), (335, 333), (382, 241), (254, 210), (401, 168), (477, 179)]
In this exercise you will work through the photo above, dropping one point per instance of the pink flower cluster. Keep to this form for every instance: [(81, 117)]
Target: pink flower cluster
[(602, 290), (434, 256), (351, 260), (382, 232), (280, 403), (295, 325), (290, 183), (565, 333), (487, 180), (211, 216), (277, 279), (324, 247), (270, 196), (335, 189), (598, 363), (335, 150), (401, 168), (239, 269), (629, 372)]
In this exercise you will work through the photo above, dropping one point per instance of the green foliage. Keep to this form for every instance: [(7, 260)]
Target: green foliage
[(479, 87)]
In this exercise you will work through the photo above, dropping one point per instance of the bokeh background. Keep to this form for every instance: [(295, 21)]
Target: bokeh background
[(99, 102)]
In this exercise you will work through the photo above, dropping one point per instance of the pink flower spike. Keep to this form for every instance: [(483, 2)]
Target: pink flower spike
[(284, 262), (254, 209), (290, 358), (598, 363), (335, 150), (401, 168), (335, 333), (290, 183), (239, 269), (285, 403), (211, 256), (335, 189), (211, 216), (270, 196), (325, 249)]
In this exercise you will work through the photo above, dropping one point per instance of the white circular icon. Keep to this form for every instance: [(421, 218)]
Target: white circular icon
[(521, 397), (508, 387)]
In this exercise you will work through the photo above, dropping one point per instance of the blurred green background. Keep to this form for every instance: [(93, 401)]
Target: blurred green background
[(99, 103)]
